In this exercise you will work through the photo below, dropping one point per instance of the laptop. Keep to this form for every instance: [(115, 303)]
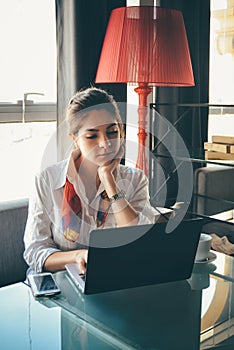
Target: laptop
[(134, 256)]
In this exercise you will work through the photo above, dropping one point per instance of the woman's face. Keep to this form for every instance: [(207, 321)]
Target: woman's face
[(99, 137)]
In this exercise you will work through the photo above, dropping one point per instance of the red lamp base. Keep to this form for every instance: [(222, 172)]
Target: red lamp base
[(142, 160)]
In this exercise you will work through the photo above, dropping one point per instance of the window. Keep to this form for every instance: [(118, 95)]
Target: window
[(221, 67), (28, 49), (27, 70)]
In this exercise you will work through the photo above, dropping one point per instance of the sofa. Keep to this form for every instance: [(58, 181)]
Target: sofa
[(13, 216), (214, 194), (214, 189)]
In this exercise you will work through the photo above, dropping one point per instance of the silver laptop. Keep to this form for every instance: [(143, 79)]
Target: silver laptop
[(135, 256)]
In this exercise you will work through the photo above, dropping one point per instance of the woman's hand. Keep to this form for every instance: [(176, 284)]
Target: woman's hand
[(106, 170), (81, 259)]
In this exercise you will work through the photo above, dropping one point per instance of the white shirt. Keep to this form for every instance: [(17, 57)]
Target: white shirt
[(44, 234)]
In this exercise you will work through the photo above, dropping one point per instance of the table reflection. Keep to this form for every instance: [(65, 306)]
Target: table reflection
[(164, 316), (200, 278), (217, 326)]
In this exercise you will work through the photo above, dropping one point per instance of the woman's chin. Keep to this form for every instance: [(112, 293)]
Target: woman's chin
[(105, 158), (103, 162)]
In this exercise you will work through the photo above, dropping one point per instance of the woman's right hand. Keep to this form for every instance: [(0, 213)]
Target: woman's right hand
[(81, 259)]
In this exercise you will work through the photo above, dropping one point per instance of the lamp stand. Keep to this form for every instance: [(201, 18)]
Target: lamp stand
[(142, 160)]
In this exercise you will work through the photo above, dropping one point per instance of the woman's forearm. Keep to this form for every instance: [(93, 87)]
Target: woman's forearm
[(58, 260), (124, 213)]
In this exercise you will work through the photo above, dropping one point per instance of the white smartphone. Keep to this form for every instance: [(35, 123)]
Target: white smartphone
[(43, 284)]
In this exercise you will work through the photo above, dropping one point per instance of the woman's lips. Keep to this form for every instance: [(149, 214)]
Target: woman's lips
[(104, 155)]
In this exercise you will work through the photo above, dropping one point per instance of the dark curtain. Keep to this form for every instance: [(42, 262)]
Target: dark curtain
[(81, 29), (191, 122)]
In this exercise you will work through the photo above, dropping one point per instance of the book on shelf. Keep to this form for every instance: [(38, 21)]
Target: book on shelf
[(219, 147), (223, 139), (218, 155)]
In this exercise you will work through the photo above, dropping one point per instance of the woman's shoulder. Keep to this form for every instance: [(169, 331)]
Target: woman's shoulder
[(54, 168), (54, 173), (131, 171)]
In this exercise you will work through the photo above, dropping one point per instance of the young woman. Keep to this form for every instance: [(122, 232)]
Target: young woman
[(87, 191)]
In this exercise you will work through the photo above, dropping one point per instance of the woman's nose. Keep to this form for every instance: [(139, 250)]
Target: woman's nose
[(105, 143)]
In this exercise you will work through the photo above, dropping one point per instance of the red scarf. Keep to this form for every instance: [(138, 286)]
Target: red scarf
[(72, 212)]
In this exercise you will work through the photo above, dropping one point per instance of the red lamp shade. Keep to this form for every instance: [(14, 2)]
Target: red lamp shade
[(146, 45)]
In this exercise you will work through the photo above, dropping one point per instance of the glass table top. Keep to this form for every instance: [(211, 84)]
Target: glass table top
[(30, 324), (192, 314)]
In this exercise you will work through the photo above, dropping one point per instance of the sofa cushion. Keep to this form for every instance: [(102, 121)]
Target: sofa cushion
[(13, 217), (214, 184)]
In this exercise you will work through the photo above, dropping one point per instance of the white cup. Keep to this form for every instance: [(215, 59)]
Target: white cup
[(203, 248)]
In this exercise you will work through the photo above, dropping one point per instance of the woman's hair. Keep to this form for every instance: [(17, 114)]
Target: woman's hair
[(87, 100)]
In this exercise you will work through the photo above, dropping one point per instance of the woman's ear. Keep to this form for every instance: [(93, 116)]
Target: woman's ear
[(76, 153), (74, 140), (72, 136)]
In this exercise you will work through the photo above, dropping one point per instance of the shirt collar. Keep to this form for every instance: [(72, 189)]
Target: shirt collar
[(72, 174), (64, 169), (100, 189), (59, 177)]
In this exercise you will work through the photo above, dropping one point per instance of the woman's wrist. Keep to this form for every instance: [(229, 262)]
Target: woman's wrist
[(109, 183), (117, 196)]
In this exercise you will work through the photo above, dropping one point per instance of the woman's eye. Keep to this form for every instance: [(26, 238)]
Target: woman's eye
[(91, 136), (112, 132)]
